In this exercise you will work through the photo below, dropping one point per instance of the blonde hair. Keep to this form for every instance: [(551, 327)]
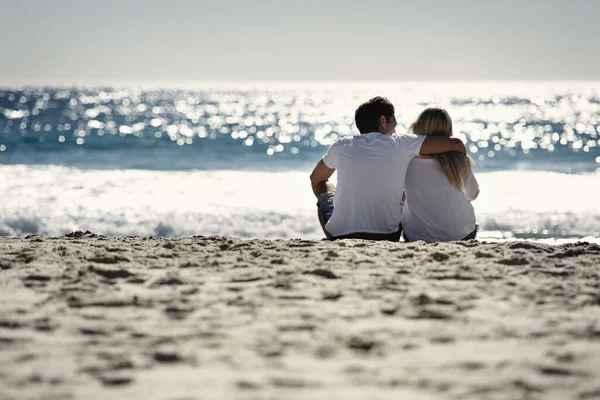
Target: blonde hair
[(437, 122)]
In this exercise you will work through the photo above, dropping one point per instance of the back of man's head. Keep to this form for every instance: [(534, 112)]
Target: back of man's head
[(367, 115)]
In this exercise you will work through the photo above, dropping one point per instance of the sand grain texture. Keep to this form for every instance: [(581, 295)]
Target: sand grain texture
[(91, 317)]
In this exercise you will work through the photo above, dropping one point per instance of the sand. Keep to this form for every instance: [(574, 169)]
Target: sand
[(91, 317)]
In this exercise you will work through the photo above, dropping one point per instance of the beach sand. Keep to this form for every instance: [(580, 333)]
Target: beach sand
[(91, 317)]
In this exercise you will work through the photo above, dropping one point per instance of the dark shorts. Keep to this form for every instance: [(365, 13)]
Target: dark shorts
[(325, 206), (325, 209), (470, 236), (473, 234)]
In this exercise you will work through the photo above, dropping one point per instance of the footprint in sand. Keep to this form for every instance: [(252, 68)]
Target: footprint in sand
[(167, 280), (513, 261), (108, 259), (167, 356), (115, 380), (111, 273), (324, 273), (37, 277)]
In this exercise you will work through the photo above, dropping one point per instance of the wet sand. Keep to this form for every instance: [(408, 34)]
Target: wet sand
[(91, 317)]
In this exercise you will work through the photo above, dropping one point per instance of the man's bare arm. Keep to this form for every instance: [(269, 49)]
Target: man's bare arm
[(319, 179), (436, 145)]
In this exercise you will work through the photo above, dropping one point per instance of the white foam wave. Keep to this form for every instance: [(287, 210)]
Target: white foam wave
[(53, 200)]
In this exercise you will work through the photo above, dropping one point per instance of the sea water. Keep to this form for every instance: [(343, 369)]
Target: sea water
[(234, 159)]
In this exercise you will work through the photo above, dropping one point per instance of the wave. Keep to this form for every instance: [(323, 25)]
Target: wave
[(54, 200), (540, 126)]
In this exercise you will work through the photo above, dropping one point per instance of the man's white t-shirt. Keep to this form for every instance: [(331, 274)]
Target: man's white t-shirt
[(436, 211), (371, 168)]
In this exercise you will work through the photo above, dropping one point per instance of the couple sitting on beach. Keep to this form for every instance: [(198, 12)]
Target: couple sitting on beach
[(418, 184)]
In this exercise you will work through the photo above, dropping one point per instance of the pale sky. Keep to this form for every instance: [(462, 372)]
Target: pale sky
[(85, 41)]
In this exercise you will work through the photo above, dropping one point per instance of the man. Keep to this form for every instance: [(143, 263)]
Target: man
[(371, 170)]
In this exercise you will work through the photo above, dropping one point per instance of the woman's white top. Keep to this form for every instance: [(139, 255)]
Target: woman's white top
[(434, 210)]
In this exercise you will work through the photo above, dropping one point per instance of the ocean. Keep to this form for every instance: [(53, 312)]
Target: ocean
[(234, 158)]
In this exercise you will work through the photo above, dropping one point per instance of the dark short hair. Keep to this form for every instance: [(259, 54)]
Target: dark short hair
[(367, 115)]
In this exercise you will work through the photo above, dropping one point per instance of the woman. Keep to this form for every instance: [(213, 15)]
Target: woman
[(439, 189)]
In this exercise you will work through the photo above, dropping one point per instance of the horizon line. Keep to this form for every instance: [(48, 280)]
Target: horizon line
[(245, 82)]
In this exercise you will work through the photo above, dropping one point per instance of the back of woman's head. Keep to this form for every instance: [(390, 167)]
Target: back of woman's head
[(433, 122), (437, 122)]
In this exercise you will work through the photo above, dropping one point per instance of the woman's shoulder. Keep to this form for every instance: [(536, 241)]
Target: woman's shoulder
[(422, 167), (423, 159)]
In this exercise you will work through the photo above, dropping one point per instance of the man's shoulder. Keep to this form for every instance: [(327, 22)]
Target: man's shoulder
[(344, 141), (406, 135), (347, 139), (408, 142)]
